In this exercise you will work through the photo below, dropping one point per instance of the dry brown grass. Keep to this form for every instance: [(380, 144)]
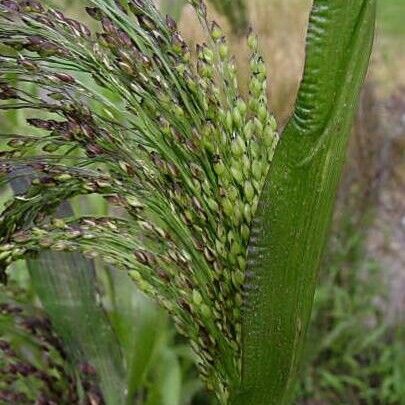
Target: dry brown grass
[(387, 64)]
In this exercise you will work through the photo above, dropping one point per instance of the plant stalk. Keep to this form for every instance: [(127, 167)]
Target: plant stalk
[(292, 222)]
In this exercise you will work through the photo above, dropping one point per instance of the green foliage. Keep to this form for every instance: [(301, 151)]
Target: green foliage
[(69, 297), (390, 17), (181, 155), (290, 228), (128, 113), (353, 354)]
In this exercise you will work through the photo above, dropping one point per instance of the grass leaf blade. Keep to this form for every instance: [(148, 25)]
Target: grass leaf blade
[(66, 286), (293, 217)]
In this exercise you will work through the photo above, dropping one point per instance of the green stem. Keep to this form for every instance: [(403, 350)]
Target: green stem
[(294, 213)]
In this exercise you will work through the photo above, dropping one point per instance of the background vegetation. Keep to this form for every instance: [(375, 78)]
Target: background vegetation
[(355, 352)]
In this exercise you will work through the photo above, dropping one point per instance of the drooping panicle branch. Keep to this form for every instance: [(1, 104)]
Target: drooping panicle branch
[(131, 113)]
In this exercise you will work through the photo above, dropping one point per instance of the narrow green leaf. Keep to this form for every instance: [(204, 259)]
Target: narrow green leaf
[(65, 283), (140, 326), (166, 389), (293, 217)]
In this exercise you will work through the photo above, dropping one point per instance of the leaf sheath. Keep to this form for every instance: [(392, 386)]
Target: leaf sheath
[(293, 217)]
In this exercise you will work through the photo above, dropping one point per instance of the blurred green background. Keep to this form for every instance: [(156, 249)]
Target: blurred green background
[(356, 347)]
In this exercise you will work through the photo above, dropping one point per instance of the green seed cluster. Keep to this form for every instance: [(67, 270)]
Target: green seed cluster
[(180, 152)]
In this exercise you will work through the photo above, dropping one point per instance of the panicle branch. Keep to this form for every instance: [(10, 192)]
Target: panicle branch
[(131, 113)]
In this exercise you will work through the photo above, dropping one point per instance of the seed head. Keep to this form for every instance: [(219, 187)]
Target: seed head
[(164, 135)]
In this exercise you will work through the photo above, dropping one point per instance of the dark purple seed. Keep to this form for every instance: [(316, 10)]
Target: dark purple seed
[(64, 77), (36, 40), (108, 26), (140, 256), (45, 21), (10, 5), (7, 93), (42, 124), (124, 38), (95, 13), (27, 64), (93, 150), (4, 346), (171, 24), (88, 369), (59, 15)]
